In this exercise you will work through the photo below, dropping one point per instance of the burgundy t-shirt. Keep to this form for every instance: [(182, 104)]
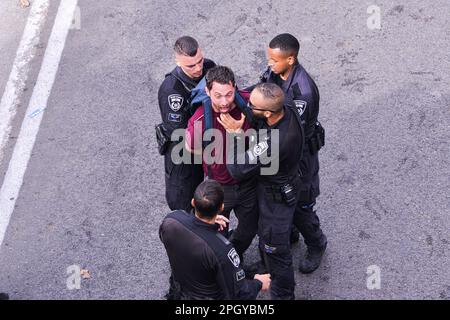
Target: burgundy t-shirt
[(194, 140)]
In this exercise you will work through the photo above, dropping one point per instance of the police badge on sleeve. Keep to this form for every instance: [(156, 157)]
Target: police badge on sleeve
[(258, 150), (300, 105), (234, 258), (175, 102)]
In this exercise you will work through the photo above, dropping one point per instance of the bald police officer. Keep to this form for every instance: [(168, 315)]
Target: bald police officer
[(278, 181)]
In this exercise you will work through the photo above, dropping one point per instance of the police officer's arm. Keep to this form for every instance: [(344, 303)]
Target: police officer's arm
[(171, 105), (238, 163), (233, 283), (244, 165)]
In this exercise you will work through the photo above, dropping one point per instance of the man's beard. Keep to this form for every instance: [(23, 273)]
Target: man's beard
[(259, 117)]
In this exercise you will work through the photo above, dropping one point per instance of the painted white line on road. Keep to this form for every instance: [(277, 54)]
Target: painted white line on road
[(19, 72), (30, 126)]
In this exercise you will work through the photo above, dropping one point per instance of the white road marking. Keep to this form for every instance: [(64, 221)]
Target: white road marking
[(19, 72), (30, 126)]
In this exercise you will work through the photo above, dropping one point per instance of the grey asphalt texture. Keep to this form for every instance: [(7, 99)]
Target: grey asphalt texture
[(93, 193)]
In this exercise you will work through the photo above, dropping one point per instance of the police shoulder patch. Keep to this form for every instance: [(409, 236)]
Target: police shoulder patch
[(234, 257), (300, 105), (258, 150), (175, 102)]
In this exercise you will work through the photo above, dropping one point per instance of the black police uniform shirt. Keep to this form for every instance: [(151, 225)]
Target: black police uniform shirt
[(301, 92), (290, 142), (203, 262), (174, 97)]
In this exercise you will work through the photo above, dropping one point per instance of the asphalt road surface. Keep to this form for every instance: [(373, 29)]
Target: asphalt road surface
[(92, 193)]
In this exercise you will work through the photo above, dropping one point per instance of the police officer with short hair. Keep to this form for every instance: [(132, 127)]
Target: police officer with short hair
[(204, 263), (278, 189), (302, 93), (174, 104)]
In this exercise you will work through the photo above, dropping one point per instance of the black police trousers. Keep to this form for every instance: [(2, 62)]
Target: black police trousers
[(275, 222), (241, 198), (305, 217), (181, 182)]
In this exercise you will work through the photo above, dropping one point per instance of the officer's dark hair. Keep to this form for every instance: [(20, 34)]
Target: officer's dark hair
[(208, 198), (274, 94), (186, 46), (286, 42), (219, 74)]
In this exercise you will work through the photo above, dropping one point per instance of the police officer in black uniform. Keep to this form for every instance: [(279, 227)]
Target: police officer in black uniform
[(174, 101), (301, 93), (204, 263), (277, 188)]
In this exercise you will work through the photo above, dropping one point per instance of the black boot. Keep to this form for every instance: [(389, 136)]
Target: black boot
[(4, 296), (312, 259)]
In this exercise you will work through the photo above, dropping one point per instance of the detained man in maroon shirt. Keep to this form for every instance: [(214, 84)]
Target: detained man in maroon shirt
[(240, 196)]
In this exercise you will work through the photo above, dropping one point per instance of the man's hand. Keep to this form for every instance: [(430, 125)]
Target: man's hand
[(222, 222), (265, 279), (230, 124)]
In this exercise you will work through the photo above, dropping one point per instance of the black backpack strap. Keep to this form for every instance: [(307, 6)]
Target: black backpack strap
[(208, 114)]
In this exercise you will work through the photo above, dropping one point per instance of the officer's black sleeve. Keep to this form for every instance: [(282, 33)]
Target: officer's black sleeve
[(238, 164), (232, 280), (171, 105), (244, 165)]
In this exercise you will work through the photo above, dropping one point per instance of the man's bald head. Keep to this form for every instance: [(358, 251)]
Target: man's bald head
[(271, 95)]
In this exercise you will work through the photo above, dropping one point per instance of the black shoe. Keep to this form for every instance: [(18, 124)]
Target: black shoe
[(4, 296), (295, 236), (312, 260), (255, 268)]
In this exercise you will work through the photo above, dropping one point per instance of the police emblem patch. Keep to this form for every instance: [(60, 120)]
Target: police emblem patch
[(175, 102), (234, 258), (300, 105), (257, 150), (260, 148)]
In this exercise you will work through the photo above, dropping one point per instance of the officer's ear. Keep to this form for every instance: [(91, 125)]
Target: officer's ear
[(222, 207), (176, 60), (207, 91), (291, 60), (193, 203)]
